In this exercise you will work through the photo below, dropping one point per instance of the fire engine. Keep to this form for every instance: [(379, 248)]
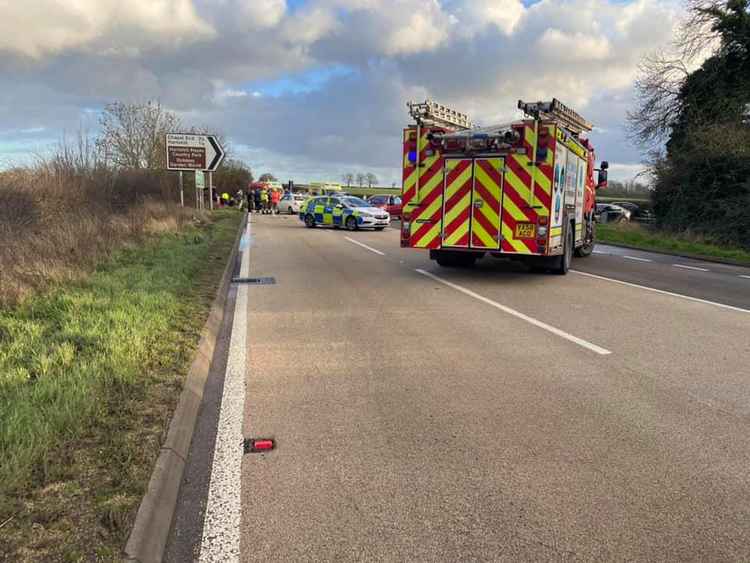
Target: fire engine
[(523, 190)]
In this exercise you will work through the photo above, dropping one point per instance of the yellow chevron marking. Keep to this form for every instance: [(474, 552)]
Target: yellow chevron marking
[(429, 236)]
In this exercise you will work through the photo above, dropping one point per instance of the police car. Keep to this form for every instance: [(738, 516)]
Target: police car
[(343, 211)]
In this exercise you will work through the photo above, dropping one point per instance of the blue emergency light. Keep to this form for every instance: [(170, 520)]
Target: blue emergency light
[(412, 156)]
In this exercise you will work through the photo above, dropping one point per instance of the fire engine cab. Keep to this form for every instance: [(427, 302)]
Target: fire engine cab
[(523, 190)]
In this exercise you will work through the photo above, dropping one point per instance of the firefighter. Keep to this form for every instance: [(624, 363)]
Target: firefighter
[(264, 201), (275, 198)]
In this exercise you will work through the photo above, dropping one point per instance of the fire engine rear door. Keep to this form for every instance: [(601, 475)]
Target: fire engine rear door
[(487, 193), (457, 202)]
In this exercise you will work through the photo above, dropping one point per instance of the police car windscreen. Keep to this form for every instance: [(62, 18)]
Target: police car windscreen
[(355, 202)]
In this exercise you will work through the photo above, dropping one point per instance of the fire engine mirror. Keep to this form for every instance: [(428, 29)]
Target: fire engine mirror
[(602, 180)]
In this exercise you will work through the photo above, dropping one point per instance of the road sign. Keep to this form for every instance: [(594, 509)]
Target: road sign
[(200, 180), (186, 151)]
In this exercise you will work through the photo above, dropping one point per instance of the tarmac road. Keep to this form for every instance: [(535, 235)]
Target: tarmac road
[(429, 414)]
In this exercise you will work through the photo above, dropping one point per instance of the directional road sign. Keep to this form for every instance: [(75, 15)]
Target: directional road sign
[(186, 151)]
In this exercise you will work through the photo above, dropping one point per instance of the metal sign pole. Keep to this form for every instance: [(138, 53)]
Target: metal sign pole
[(211, 191), (182, 193)]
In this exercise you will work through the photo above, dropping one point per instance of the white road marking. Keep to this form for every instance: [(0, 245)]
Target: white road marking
[(696, 299), (638, 259), (517, 314), (370, 248), (221, 525), (598, 252), (746, 277), (686, 267)]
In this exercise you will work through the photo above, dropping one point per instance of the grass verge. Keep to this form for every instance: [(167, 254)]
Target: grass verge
[(90, 373), (645, 238)]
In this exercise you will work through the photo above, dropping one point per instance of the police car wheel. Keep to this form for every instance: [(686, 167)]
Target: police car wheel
[(290, 211), (351, 223), (309, 221)]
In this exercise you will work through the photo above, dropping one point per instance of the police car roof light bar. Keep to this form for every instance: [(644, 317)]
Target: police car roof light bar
[(429, 112), (556, 111)]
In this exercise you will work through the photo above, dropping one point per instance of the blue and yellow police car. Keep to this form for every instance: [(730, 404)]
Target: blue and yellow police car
[(348, 212)]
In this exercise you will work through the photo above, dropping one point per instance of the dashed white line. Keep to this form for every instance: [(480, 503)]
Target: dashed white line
[(696, 299), (637, 259), (746, 277), (370, 248), (556, 331), (221, 525), (599, 252), (686, 267)]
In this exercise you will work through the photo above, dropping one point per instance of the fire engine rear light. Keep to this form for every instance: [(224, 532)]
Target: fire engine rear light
[(543, 220)]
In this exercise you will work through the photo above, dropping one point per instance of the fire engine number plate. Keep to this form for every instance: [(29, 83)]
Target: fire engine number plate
[(525, 230)]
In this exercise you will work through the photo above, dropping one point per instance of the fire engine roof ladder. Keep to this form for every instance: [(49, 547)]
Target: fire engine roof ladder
[(433, 113), (557, 111)]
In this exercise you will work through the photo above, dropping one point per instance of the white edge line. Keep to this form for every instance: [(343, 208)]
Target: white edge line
[(685, 266), (746, 277), (371, 249), (638, 259), (517, 314), (663, 292), (220, 541)]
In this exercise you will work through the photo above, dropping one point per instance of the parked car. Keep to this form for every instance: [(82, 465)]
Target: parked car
[(391, 203), (636, 211), (290, 203), (611, 213)]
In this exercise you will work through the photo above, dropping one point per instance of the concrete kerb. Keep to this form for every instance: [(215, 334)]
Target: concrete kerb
[(148, 538)]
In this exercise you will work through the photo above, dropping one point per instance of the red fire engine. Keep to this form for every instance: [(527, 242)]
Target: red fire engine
[(524, 190)]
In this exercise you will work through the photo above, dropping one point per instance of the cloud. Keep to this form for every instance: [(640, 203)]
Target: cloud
[(47, 27), (324, 83)]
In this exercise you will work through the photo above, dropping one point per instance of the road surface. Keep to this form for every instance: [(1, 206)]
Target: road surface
[(429, 414)]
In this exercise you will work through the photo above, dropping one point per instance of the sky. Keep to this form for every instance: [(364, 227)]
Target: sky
[(311, 89)]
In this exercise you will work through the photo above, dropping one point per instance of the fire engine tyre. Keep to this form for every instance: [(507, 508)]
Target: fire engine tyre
[(562, 262), (309, 221), (351, 223)]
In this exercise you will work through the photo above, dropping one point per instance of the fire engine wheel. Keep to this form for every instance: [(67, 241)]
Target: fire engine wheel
[(309, 221), (351, 223), (562, 262)]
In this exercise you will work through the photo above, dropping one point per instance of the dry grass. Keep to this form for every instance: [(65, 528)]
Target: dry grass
[(57, 220)]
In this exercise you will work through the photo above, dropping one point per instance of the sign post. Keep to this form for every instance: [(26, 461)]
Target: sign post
[(211, 191), (182, 193), (200, 185)]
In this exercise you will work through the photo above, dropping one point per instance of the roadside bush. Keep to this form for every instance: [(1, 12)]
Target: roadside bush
[(61, 216)]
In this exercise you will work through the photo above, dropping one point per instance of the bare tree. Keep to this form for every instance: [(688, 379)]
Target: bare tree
[(657, 93), (348, 178), (661, 75), (361, 179), (267, 177), (371, 179), (133, 135)]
